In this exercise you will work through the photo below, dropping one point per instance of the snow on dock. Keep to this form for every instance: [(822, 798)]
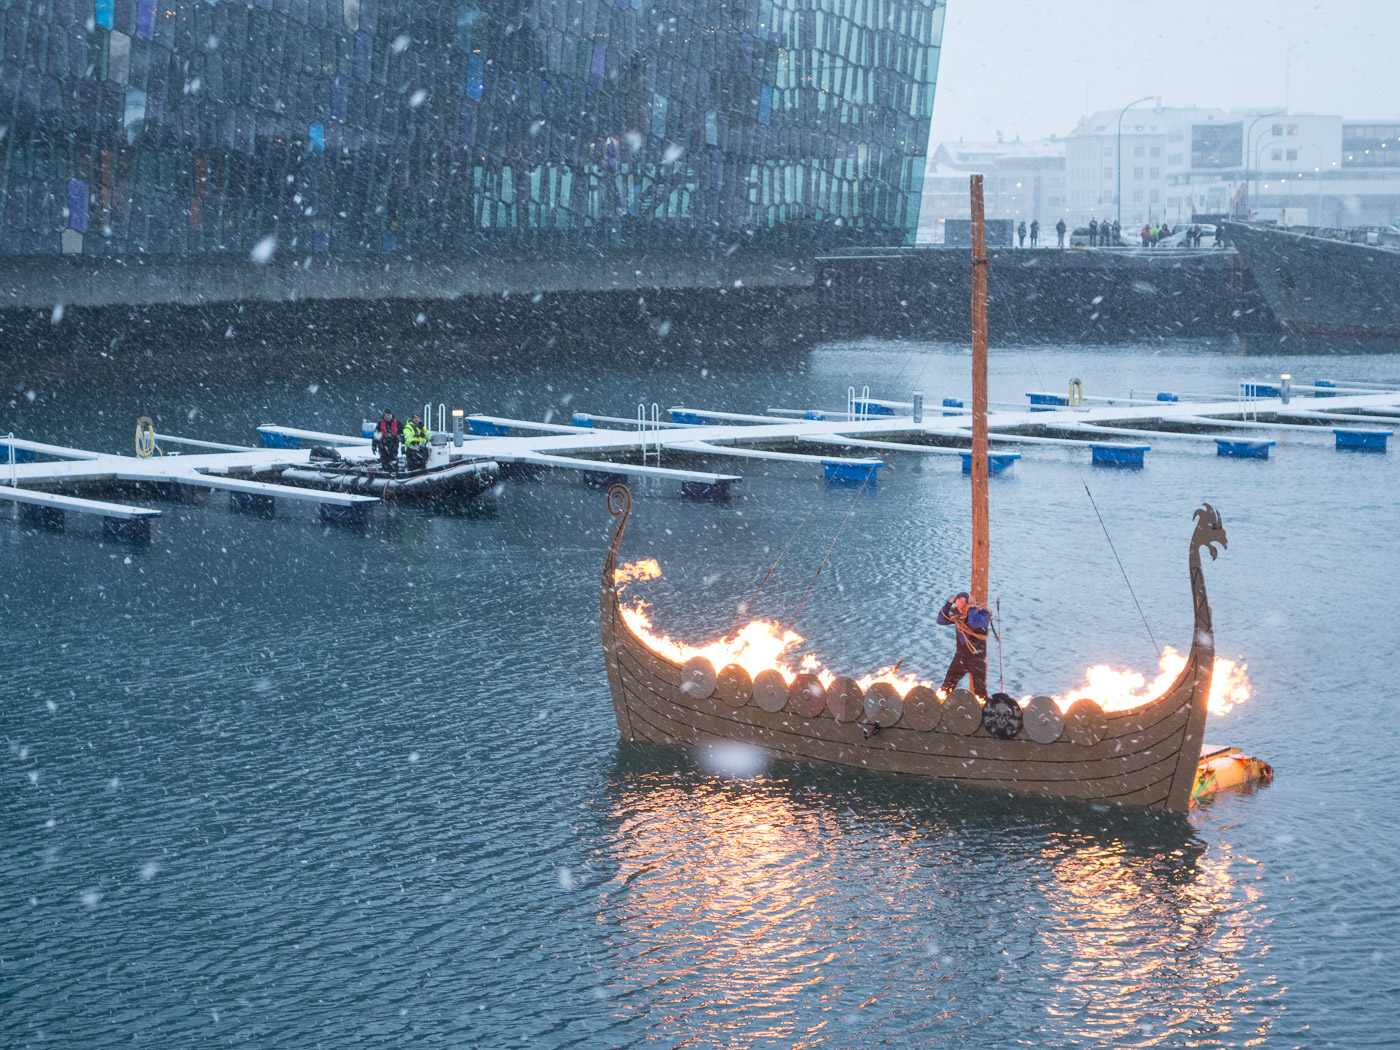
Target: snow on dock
[(607, 448)]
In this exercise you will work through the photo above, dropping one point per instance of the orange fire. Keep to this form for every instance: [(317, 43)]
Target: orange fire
[(1116, 690), (761, 645)]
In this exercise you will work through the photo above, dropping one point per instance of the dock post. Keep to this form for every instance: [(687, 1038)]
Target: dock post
[(1285, 387), (255, 503), (132, 530), (457, 428), (41, 516), (918, 406), (344, 514)]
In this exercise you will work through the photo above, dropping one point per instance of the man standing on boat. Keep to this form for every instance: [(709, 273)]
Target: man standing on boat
[(973, 625), (386, 440), (415, 444)]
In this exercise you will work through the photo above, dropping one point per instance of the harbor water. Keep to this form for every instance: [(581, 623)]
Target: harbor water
[(269, 783)]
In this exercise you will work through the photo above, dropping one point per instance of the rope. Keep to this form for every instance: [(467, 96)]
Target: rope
[(1122, 570), (849, 512), (743, 609), (146, 438)]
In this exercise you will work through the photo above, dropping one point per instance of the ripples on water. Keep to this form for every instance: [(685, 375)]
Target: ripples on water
[(271, 784)]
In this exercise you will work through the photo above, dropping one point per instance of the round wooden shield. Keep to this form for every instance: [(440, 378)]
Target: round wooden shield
[(698, 678), (962, 714), (770, 690), (883, 705), (734, 686), (1043, 719), (922, 709), (1001, 716), (1085, 723), (807, 695), (845, 700)]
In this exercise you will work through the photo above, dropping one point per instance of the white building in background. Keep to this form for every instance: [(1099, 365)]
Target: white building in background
[(1296, 169), (1100, 163), (1023, 182)]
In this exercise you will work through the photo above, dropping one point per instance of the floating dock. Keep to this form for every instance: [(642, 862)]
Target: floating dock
[(47, 480)]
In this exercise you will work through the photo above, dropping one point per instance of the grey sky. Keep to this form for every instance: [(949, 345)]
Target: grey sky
[(1033, 67)]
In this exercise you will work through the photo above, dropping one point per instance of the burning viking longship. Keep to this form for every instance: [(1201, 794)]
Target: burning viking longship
[(1146, 756), (1149, 755)]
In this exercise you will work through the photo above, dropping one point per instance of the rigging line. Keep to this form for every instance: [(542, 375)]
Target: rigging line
[(822, 565), (743, 609), (1122, 570)]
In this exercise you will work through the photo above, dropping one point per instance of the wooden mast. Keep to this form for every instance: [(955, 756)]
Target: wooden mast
[(981, 541)]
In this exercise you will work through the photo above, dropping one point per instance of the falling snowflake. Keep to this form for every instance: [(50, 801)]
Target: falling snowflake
[(264, 250), (417, 98), (401, 43)]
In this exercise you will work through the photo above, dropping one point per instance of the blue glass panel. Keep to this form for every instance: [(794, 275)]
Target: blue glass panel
[(658, 115), (600, 54), (362, 53), (765, 104), (338, 97), (145, 18), (476, 86), (78, 205), (317, 134), (104, 13)]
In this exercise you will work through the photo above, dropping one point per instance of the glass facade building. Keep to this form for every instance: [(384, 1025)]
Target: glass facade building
[(370, 126)]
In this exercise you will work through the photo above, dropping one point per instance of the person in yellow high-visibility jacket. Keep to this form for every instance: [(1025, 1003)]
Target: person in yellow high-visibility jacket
[(415, 444)]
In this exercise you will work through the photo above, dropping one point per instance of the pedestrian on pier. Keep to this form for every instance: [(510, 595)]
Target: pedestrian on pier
[(1093, 233), (1035, 232), (972, 626), (1117, 233), (1146, 234), (1021, 232), (386, 440), (1060, 231)]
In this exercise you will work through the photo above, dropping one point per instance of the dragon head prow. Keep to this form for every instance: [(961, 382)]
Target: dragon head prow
[(1209, 530)]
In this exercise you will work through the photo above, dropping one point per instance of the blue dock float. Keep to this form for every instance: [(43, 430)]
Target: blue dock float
[(14, 454), (581, 419), (813, 413), (871, 408), (685, 416), (603, 479), (1364, 440), (1258, 390), (1323, 393), (714, 491), (486, 428), (272, 439), (952, 402), (1241, 447), (1164, 396), (1047, 402), (851, 473), (255, 503), (345, 513), (1120, 455), (996, 461)]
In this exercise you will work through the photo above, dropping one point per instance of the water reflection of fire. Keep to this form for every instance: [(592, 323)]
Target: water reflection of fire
[(763, 644)]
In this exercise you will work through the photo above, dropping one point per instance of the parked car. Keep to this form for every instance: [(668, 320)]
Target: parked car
[(1178, 235), (1079, 238)]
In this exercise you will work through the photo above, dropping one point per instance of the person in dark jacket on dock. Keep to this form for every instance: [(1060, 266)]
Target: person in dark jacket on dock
[(1093, 233), (386, 440), (1021, 232), (1060, 228), (1035, 233), (973, 625)]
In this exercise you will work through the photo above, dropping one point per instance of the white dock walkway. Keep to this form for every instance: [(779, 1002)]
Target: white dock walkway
[(1358, 417)]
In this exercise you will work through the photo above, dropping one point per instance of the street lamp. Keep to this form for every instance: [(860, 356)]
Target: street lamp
[(1118, 194), (1250, 134)]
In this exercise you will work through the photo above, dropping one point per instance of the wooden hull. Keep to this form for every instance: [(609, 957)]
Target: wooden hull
[(1146, 756)]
